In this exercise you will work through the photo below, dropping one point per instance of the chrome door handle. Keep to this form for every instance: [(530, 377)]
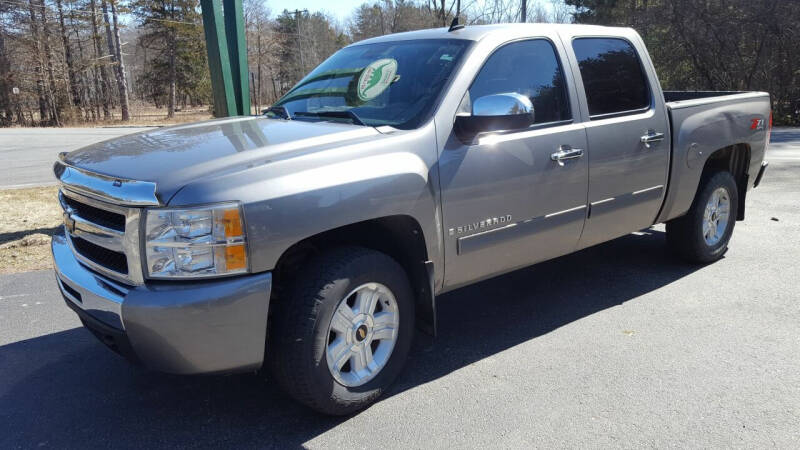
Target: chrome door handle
[(651, 137), (564, 153)]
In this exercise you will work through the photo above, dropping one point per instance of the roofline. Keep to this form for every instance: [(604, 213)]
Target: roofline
[(479, 32)]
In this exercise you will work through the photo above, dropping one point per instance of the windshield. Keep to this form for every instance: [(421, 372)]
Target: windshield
[(391, 83)]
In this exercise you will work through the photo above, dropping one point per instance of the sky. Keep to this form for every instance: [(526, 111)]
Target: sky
[(340, 9)]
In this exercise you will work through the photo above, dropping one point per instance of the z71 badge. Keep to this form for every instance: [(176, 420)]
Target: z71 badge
[(483, 224)]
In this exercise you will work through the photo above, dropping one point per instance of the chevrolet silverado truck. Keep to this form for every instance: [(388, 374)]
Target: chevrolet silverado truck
[(315, 238)]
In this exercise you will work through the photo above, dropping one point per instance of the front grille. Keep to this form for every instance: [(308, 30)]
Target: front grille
[(103, 234), (98, 216), (107, 258)]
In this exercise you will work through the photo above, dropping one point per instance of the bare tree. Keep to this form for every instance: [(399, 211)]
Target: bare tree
[(52, 90), (173, 73), (73, 79), (99, 66), (44, 110), (5, 89), (116, 57)]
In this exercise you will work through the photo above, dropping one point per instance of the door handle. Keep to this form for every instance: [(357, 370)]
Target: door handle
[(651, 137), (564, 153)]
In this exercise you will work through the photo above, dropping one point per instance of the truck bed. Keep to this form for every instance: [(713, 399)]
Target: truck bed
[(702, 122)]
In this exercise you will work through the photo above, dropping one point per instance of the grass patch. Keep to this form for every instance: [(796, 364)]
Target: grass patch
[(30, 217)]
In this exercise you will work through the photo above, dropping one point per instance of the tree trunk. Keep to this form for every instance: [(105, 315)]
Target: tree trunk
[(523, 11), (173, 75), (6, 111), (122, 80), (48, 57), (73, 79), (258, 88), (38, 69), (85, 87), (98, 65), (116, 57)]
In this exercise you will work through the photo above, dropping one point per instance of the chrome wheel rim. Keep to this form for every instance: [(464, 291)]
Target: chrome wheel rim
[(362, 334), (716, 216)]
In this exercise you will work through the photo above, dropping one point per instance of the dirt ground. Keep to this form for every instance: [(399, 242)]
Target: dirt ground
[(30, 217)]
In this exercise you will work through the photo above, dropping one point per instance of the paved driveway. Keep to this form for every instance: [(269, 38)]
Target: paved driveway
[(28, 153), (619, 345)]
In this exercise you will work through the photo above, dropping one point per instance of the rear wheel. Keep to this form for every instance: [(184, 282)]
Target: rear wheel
[(702, 235), (343, 334)]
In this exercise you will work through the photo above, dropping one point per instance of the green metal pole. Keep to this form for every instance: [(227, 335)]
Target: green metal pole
[(218, 61), (237, 49)]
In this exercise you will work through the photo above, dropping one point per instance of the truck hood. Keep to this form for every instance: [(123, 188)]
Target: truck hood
[(175, 156)]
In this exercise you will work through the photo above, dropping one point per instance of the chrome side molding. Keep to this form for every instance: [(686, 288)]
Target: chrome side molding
[(103, 187)]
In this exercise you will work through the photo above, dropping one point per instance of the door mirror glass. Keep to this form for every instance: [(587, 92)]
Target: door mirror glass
[(495, 112)]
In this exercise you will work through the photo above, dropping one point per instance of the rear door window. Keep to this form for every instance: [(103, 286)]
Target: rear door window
[(612, 75)]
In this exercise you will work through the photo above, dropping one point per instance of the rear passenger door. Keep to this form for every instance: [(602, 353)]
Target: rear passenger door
[(628, 137)]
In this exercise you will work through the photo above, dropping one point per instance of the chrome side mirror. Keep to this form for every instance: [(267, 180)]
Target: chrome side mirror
[(507, 104), (497, 112)]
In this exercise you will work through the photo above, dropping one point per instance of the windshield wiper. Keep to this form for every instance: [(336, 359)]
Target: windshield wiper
[(340, 113), (280, 111)]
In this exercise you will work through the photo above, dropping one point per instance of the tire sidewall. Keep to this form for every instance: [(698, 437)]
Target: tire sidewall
[(715, 181), (384, 271)]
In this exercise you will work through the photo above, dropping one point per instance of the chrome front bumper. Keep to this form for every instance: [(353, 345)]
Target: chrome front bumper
[(177, 327)]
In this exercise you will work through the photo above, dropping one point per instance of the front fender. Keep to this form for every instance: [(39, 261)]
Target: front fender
[(288, 201)]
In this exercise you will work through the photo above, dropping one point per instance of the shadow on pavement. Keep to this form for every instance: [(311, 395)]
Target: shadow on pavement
[(67, 390)]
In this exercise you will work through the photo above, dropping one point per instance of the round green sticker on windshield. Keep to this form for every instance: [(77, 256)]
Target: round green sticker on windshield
[(375, 78)]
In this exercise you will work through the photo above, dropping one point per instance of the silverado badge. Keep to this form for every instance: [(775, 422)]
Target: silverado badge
[(489, 222)]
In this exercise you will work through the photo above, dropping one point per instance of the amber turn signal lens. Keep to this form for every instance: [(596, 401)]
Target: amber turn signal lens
[(232, 222), (235, 257)]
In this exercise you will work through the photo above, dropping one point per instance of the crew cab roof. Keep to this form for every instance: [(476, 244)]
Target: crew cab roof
[(478, 32)]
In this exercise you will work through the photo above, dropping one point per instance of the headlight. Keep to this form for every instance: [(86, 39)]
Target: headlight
[(195, 242)]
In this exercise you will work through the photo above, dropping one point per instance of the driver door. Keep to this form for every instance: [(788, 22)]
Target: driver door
[(508, 201)]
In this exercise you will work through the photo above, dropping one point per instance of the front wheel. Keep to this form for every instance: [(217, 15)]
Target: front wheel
[(702, 235), (343, 334)]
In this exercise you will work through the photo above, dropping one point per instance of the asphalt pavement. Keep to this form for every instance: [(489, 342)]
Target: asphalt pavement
[(619, 345), (28, 153)]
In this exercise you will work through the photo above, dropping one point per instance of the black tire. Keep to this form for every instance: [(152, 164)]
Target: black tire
[(299, 329), (685, 234)]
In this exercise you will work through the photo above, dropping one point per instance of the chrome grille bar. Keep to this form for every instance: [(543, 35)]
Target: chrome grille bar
[(125, 242)]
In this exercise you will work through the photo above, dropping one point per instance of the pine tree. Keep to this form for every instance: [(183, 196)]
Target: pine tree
[(173, 30)]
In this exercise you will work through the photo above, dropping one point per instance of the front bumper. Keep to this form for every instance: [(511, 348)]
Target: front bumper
[(176, 327)]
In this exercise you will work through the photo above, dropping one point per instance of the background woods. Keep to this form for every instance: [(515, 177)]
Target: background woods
[(715, 44), (108, 61)]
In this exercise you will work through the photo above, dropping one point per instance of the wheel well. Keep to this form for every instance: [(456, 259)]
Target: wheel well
[(398, 236), (736, 160)]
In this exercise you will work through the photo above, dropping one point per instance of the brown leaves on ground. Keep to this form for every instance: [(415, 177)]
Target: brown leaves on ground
[(30, 217)]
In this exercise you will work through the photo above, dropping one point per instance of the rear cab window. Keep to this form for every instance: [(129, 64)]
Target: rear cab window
[(613, 77)]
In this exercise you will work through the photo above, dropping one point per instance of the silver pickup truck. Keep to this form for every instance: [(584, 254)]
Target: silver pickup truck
[(315, 238)]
